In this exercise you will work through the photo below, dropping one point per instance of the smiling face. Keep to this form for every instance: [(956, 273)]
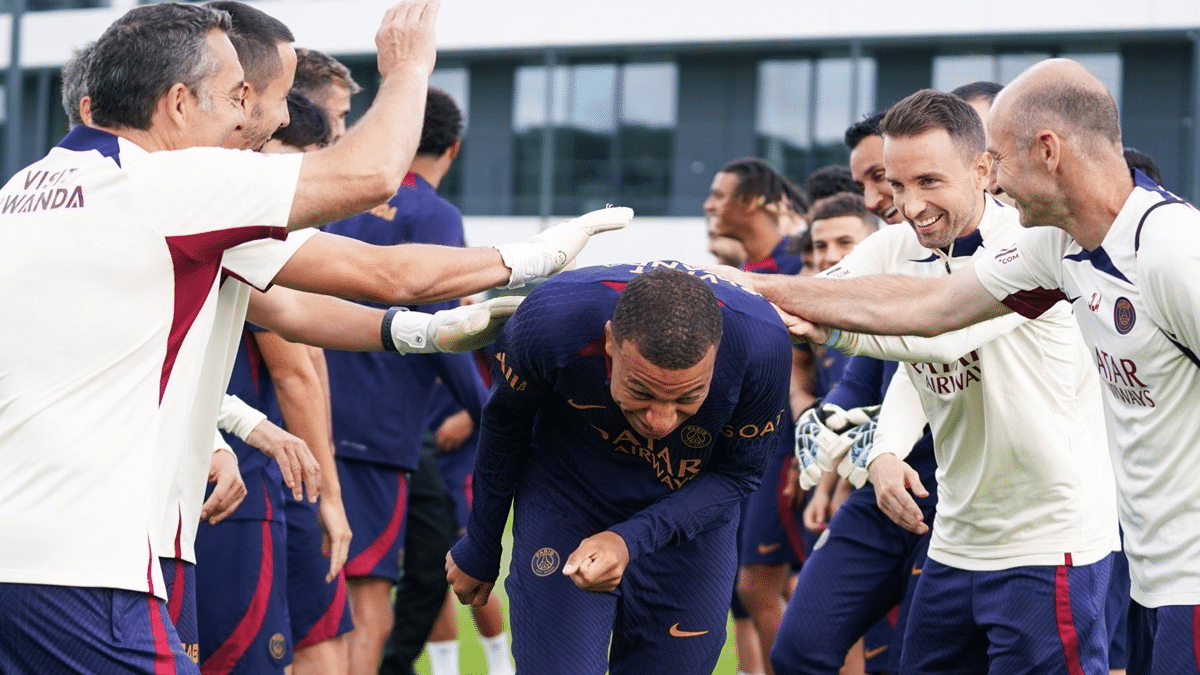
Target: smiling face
[(218, 104), (939, 192), (866, 165), (655, 400), (267, 110), (1024, 180), (834, 237)]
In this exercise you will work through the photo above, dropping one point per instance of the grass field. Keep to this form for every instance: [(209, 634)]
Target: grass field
[(470, 654)]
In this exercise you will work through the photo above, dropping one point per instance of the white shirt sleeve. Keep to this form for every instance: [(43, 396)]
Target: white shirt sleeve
[(237, 417), (944, 348), (203, 190), (901, 421), (257, 262), (1168, 263), (1027, 276)]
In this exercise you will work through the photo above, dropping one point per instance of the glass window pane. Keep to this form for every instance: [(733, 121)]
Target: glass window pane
[(1012, 65), (454, 81), (529, 98), (647, 135), (584, 160), (784, 114), (648, 94), (866, 89), (954, 70), (529, 119)]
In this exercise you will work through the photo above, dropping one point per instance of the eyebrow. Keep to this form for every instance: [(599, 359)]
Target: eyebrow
[(694, 390)]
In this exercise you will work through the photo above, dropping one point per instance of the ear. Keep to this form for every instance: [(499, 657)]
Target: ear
[(452, 151), (609, 345), (176, 105), (981, 170), (1047, 149)]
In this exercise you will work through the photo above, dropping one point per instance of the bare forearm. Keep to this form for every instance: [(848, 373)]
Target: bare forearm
[(884, 305), (317, 320), (365, 168), (302, 402), (405, 274)]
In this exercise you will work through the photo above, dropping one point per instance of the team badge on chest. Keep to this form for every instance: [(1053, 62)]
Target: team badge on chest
[(1123, 315), (545, 562)]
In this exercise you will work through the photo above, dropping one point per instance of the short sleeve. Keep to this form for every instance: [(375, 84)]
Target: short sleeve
[(1169, 272), (257, 262), (1027, 275), (200, 190)]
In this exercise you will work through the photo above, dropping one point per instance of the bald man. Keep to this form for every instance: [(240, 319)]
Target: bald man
[(1124, 253)]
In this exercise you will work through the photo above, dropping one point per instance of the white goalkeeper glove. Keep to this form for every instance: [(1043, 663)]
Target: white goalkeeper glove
[(554, 249), (457, 330), (821, 438), (853, 466)]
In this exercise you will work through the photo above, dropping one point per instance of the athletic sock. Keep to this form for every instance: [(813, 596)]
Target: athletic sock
[(443, 657), (496, 649)]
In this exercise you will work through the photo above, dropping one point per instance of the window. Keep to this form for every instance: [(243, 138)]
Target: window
[(610, 130), (804, 107), (454, 81)]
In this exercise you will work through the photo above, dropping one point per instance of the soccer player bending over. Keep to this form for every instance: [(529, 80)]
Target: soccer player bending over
[(635, 407)]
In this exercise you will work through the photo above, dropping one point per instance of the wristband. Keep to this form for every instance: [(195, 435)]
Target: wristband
[(835, 334), (525, 261), (404, 331)]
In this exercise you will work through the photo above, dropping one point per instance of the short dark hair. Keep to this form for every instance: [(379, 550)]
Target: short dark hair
[(1136, 159), (982, 90), (868, 126), (443, 123), (256, 36), (829, 180), (844, 204), (317, 70), (74, 82), (144, 53), (308, 126), (672, 317), (929, 110), (758, 179)]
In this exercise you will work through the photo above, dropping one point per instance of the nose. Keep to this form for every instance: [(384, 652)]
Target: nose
[(911, 208), (660, 418)]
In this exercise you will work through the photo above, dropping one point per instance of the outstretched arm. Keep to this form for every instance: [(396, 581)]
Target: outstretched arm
[(885, 305)]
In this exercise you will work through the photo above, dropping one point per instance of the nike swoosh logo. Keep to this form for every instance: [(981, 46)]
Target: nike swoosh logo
[(583, 406), (916, 571), (1071, 300), (764, 549), (675, 632), (872, 653)]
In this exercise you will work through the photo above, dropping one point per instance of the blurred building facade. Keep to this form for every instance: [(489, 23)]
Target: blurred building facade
[(572, 105)]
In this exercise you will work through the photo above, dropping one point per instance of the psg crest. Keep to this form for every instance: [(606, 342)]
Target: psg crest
[(1123, 315), (545, 562)]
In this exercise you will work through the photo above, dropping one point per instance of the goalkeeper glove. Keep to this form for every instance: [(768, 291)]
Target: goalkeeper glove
[(555, 249), (461, 329), (853, 466), (820, 438)]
